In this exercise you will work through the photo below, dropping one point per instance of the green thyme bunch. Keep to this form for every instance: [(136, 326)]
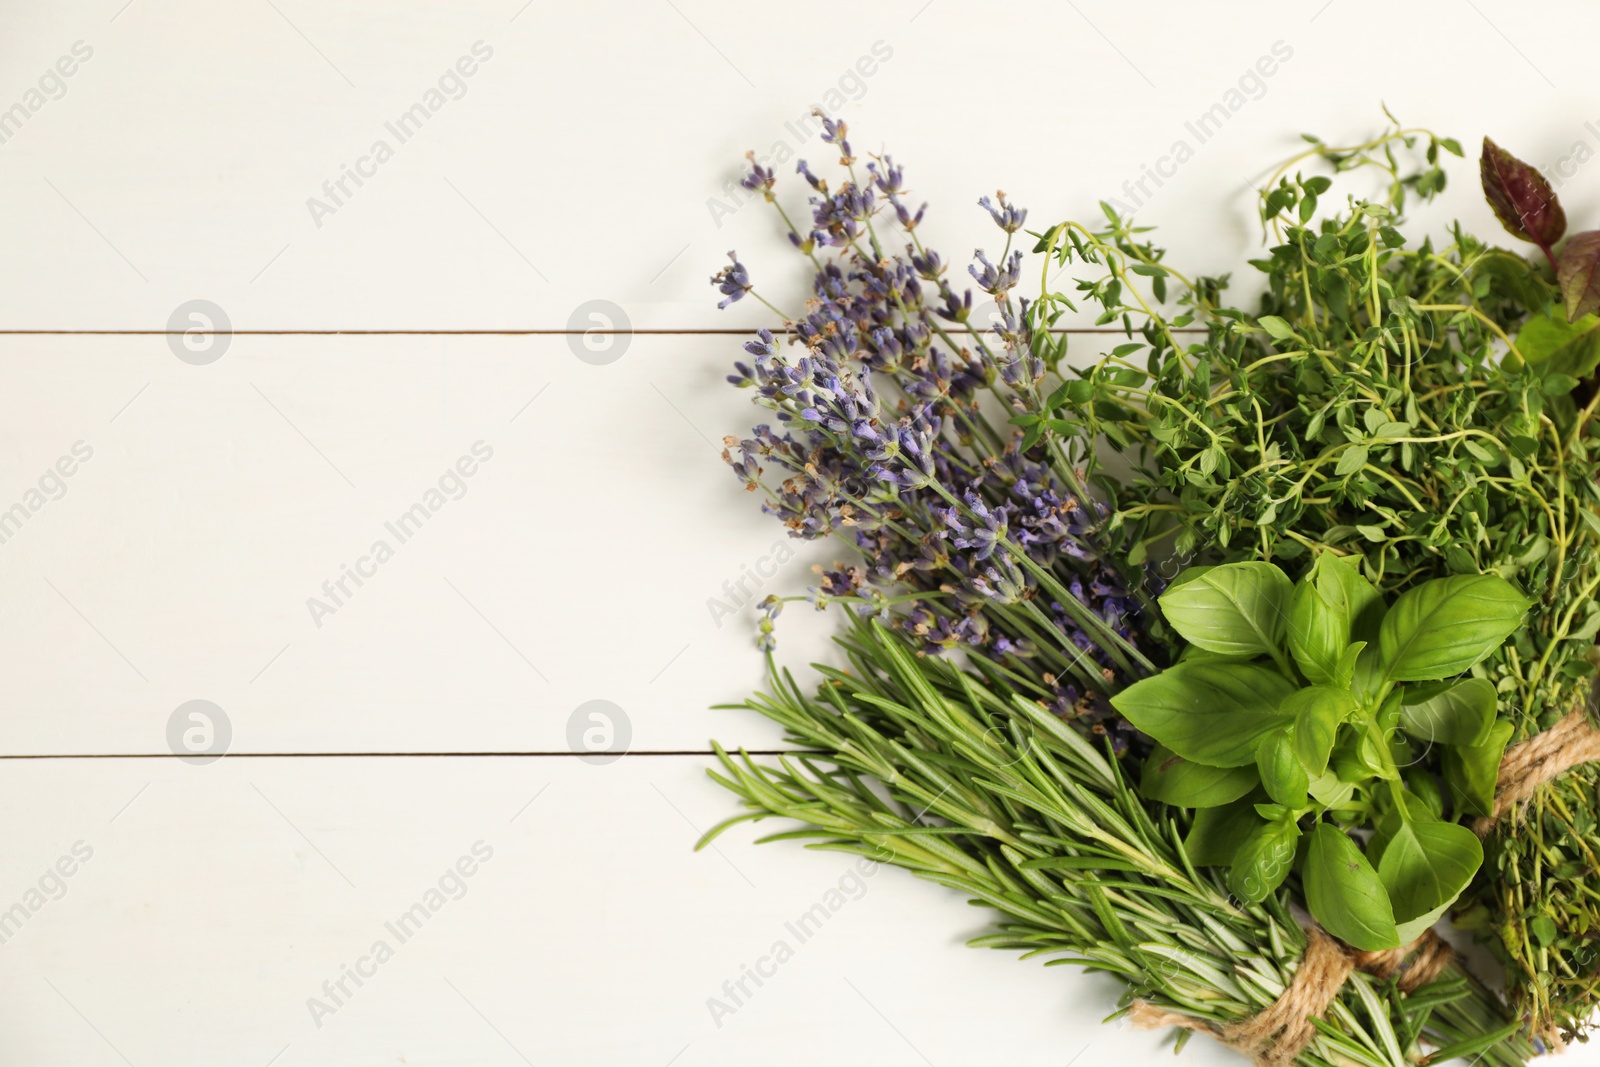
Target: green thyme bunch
[(1421, 410)]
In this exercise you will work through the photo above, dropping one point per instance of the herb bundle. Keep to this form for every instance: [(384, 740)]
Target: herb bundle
[(1012, 550), (1422, 412)]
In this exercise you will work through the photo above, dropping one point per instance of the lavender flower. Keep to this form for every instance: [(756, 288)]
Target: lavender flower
[(1007, 216), (732, 281), (996, 280), (880, 437)]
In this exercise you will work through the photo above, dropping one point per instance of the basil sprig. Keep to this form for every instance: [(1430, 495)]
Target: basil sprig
[(1302, 711)]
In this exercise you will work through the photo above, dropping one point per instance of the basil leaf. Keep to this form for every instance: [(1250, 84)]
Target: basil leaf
[(1460, 713), (1174, 780), (1412, 929), (1286, 781), (1327, 790), (1554, 344), (1343, 892), (1237, 609), (1317, 710), (1421, 783), (1351, 675), (1263, 860), (1471, 772), (1216, 834), (1426, 865), (1209, 711), (1325, 605), (1444, 626)]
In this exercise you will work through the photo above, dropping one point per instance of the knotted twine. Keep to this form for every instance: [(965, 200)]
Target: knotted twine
[(1539, 759), (1278, 1033)]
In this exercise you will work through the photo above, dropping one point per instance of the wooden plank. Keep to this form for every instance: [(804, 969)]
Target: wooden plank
[(201, 552), (217, 900), (586, 158)]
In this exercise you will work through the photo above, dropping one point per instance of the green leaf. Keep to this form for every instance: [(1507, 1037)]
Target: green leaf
[(1471, 772), (1351, 460), (1210, 711), (1281, 772), (1457, 713), (1217, 833), (1317, 712), (1171, 779), (1263, 861), (1326, 603), (1515, 277), (1558, 345), (1278, 328), (1327, 790), (1238, 609), (1344, 894), (1444, 626), (1344, 675), (1426, 865)]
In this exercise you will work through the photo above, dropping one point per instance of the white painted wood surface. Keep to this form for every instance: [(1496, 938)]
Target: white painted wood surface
[(586, 156)]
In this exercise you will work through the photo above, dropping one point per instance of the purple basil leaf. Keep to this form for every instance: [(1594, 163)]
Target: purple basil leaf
[(1579, 274), (1522, 200)]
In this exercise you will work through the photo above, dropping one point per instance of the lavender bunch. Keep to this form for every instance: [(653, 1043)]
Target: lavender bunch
[(967, 536)]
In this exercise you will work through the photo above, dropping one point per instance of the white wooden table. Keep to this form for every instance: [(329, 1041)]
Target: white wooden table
[(418, 725)]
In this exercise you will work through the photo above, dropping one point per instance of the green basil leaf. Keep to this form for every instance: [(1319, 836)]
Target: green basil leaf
[(1286, 781), (1421, 783), (1327, 790), (1355, 759), (1458, 713), (1187, 575), (1263, 861), (1171, 779), (1412, 929), (1319, 623), (1444, 626), (1426, 865), (1553, 344), (1238, 609), (1345, 674), (1216, 834), (1471, 772), (1366, 669), (1209, 711), (1318, 711), (1343, 892)]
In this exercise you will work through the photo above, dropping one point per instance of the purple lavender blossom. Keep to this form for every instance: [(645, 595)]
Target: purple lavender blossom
[(732, 282), (881, 437), (1007, 216)]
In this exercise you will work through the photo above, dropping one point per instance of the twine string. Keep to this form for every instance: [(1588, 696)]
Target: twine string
[(1278, 1033)]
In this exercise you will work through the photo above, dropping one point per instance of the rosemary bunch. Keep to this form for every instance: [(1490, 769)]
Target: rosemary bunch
[(1417, 408), (991, 795)]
